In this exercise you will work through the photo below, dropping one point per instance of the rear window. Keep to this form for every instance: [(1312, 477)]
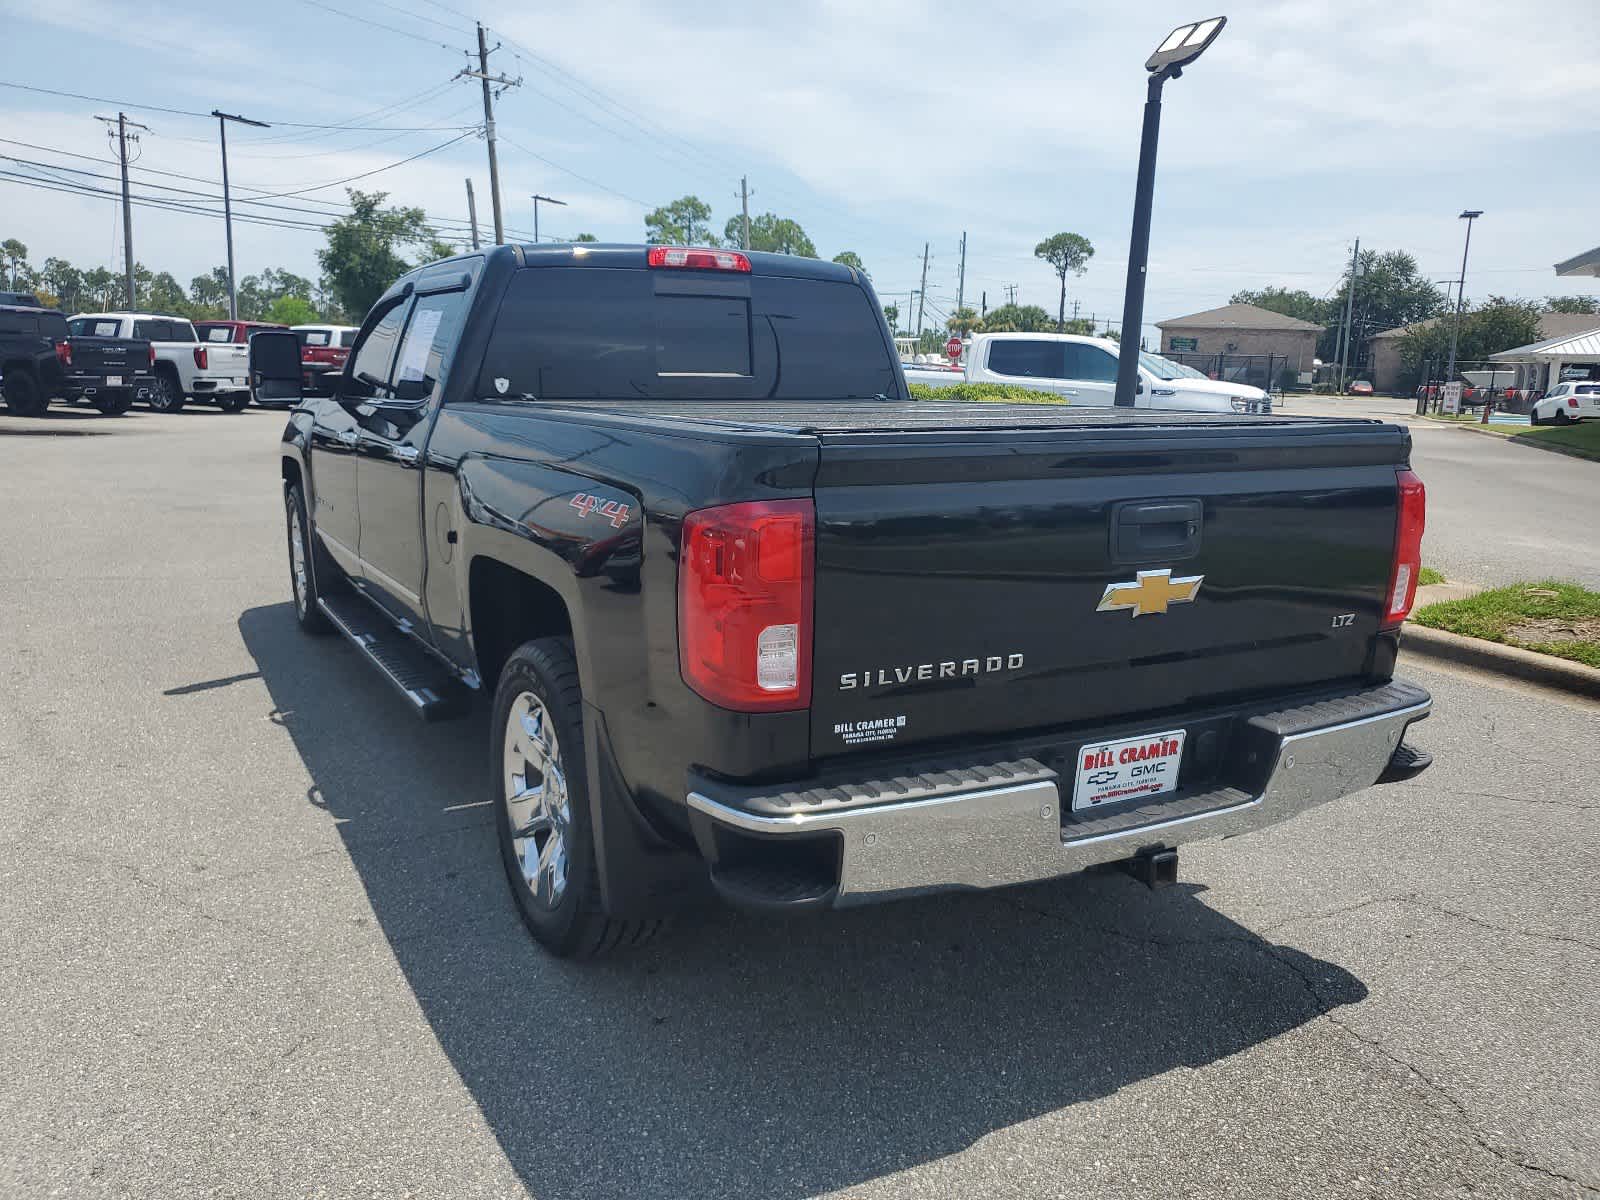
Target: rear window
[(589, 333), (347, 337), (94, 327), (313, 337), (1590, 391), (215, 333), (159, 329), (16, 322), (52, 325)]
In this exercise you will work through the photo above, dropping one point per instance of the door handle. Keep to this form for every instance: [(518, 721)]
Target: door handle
[(406, 454), (1160, 530), (349, 437), (1069, 391)]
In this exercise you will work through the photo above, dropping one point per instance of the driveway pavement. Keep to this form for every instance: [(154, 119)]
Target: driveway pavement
[(1498, 512), (255, 941)]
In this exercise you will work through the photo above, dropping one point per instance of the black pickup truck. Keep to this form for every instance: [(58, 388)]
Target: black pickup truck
[(30, 356), (756, 624), (110, 372)]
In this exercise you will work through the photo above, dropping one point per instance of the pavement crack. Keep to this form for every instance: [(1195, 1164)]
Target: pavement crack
[(1558, 938), (1503, 1154), (1538, 803)]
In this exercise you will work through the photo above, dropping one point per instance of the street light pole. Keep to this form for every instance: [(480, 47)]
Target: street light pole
[(227, 204), (1469, 216), (1181, 47), (547, 200)]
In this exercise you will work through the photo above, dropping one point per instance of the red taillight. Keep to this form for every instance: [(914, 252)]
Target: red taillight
[(698, 260), (151, 350), (745, 584), (1572, 402), (1407, 548), (64, 353), (200, 357)]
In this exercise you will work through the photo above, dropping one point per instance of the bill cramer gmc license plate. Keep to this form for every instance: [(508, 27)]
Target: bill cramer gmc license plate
[(1111, 772)]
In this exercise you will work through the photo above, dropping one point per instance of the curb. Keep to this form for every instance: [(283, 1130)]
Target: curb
[(1528, 665)]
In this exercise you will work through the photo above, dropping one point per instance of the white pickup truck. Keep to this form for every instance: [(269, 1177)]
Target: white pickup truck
[(185, 368), (1083, 370)]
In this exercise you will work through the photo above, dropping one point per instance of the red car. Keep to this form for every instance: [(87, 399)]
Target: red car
[(323, 349), (1361, 387), (235, 333)]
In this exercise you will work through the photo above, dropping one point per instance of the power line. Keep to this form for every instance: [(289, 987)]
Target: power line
[(184, 112), (569, 171), (318, 187)]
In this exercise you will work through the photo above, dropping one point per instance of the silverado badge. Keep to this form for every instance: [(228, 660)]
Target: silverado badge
[(1151, 592)]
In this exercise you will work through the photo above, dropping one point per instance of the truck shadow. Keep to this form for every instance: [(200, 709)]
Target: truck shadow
[(744, 1057)]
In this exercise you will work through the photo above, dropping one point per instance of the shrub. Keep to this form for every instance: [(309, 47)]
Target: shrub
[(984, 393)]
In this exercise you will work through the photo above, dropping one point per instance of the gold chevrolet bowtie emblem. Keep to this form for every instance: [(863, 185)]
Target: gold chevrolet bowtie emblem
[(1151, 592)]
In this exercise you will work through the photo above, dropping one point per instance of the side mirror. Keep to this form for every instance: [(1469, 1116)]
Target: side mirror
[(275, 372)]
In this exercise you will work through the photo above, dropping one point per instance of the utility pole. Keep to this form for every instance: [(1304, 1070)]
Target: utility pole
[(922, 292), (985, 302), (1349, 304), (961, 278), (472, 213), (482, 76), (744, 209), (122, 124), (547, 200), (227, 205), (1011, 293)]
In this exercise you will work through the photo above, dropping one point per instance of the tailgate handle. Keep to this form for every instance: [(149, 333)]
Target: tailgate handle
[(1144, 531)]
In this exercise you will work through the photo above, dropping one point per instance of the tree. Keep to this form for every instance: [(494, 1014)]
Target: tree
[(965, 321), (14, 252), (209, 292), (891, 314), (586, 237), (100, 288), (437, 249), (849, 258), (1488, 328), (162, 293), (362, 257), (684, 222), (1068, 254), (1298, 303), (1572, 304), (1017, 318), (292, 310), (64, 281), (772, 233)]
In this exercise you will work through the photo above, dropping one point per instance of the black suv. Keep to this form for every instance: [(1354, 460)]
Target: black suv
[(30, 369)]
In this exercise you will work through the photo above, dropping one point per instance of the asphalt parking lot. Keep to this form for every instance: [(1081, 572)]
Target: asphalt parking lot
[(256, 942)]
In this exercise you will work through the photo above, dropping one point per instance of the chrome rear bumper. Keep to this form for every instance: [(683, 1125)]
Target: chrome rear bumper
[(1009, 829)]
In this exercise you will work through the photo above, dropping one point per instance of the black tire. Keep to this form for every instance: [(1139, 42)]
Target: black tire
[(573, 925), (1533, 417), (23, 396), (1561, 417), (319, 572), (166, 394), (113, 404), (232, 402)]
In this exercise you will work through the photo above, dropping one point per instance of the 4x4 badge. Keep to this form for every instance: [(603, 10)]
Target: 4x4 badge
[(1150, 592)]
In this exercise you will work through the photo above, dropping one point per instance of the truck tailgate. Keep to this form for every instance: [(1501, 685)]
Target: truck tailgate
[(109, 356), (989, 581)]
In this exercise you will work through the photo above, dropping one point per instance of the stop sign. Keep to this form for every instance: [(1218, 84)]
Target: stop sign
[(952, 348)]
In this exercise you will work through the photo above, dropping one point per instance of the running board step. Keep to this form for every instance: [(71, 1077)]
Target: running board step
[(431, 691)]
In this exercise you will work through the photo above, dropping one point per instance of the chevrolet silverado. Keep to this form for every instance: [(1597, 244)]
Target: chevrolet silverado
[(749, 622)]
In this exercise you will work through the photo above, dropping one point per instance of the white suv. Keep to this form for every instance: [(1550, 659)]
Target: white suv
[(1567, 402)]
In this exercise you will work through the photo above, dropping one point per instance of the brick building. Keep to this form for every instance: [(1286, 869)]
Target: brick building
[(1242, 329)]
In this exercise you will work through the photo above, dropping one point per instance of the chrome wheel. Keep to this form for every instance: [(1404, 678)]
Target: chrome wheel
[(537, 805), (297, 559)]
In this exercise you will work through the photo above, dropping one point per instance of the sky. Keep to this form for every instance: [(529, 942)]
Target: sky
[(879, 127)]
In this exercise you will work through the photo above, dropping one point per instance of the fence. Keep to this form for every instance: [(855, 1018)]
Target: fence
[(1255, 370), (1508, 387)]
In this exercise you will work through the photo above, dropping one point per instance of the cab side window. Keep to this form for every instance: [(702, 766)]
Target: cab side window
[(373, 356), (429, 342), (1026, 359), (1089, 363)]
